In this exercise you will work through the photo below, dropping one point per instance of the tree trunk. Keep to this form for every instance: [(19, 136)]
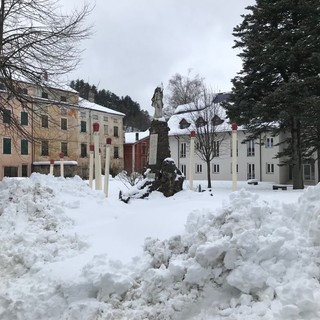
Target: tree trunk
[(208, 173), (297, 178)]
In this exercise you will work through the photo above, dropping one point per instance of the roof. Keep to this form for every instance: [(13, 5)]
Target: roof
[(93, 106), (130, 137), (191, 114)]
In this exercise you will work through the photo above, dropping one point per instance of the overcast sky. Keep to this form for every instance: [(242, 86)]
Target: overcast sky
[(139, 44)]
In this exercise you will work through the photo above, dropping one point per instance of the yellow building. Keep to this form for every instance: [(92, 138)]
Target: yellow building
[(58, 124)]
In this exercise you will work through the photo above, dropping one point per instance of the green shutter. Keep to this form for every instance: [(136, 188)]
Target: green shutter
[(6, 146), (24, 118), (24, 146)]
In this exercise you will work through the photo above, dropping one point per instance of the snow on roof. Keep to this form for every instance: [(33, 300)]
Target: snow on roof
[(190, 113), (130, 137), (93, 106), (191, 116)]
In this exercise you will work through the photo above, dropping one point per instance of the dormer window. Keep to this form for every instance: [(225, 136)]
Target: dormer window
[(200, 122), (216, 120), (184, 124)]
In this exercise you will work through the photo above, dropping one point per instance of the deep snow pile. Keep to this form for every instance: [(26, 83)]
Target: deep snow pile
[(247, 260)]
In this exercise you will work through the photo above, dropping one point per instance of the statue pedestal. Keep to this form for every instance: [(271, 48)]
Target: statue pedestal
[(168, 179)]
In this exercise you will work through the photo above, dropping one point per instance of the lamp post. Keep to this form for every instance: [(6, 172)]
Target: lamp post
[(107, 165), (61, 155), (91, 150), (234, 156), (97, 163), (191, 159), (51, 166)]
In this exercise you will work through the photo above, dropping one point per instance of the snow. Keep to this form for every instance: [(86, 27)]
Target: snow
[(83, 103), (68, 252), (130, 137)]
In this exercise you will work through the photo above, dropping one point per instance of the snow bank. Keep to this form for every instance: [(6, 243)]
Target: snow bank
[(248, 260)]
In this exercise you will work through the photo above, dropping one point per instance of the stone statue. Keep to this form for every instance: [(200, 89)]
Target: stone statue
[(157, 102)]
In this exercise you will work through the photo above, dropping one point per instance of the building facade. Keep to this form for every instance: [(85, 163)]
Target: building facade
[(57, 123), (256, 159), (136, 150)]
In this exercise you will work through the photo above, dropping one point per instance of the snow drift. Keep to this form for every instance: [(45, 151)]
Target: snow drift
[(249, 259)]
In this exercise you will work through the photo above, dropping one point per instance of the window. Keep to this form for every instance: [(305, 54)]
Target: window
[(216, 120), (44, 121), (6, 146), (64, 148), (44, 95), (10, 171), (63, 111), (184, 169), (83, 150), (183, 150), (216, 148), (251, 171), (23, 90), (64, 124), (44, 148), (215, 168), (63, 99), (269, 168), (24, 146), (144, 148), (184, 124), (24, 118), (250, 148), (200, 122), (95, 117), (105, 118), (116, 131), (115, 120), (24, 170), (199, 145), (2, 86), (83, 126), (6, 116), (198, 168), (116, 152), (105, 129), (82, 114), (269, 142)]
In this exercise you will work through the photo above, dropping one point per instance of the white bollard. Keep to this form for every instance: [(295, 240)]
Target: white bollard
[(97, 163), (61, 164), (191, 159), (107, 167), (51, 166), (91, 165), (234, 156)]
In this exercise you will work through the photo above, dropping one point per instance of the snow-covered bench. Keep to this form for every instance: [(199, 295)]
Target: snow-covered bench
[(252, 181), (279, 186)]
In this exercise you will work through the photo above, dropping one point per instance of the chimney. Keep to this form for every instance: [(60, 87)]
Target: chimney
[(91, 95)]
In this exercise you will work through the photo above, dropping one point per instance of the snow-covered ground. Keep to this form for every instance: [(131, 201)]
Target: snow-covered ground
[(69, 253)]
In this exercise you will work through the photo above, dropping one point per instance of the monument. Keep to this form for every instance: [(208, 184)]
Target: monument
[(166, 177)]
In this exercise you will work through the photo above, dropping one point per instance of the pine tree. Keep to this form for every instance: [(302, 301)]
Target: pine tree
[(280, 73)]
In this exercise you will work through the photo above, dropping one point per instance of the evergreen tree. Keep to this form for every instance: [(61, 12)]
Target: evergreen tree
[(280, 73)]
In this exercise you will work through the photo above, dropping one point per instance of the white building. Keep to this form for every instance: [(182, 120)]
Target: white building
[(256, 159)]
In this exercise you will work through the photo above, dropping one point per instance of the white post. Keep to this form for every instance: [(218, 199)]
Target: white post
[(191, 159), (51, 166), (100, 173), (234, 156), (61, 164), (91, 165), (97, 163), (106, 168)]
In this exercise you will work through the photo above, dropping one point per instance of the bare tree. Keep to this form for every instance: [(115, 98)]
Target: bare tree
[(208, 119), (37, 42), (182, 90)]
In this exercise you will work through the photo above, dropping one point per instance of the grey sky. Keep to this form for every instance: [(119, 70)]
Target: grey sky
[(140, 44)]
